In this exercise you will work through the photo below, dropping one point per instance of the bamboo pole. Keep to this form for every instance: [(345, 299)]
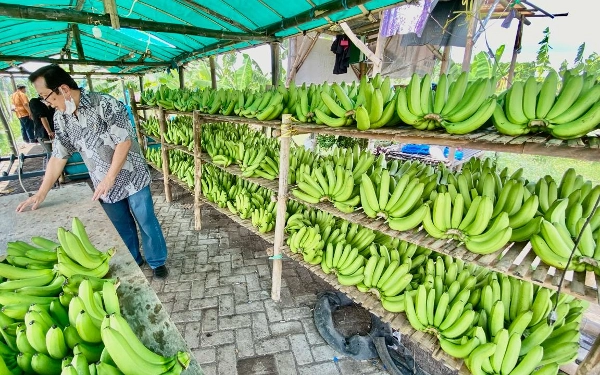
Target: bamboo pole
[(197, 171), (516, 49), (165, 153), (474, 17), (275, 63), (284, 166), (141, 82)]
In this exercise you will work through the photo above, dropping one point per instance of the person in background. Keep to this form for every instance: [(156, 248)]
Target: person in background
[(97, 126), (43, 118), (20, 105)]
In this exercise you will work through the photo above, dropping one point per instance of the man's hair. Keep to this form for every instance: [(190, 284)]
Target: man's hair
[(54, 76)]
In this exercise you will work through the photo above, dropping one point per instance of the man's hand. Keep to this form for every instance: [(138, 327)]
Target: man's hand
[(103, 187), (51, 135), (34, 201)]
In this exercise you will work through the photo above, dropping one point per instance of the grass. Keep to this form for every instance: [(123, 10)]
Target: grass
[(536, 166)]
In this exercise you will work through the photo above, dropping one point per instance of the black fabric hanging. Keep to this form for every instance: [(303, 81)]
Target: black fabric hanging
[(341, 49)]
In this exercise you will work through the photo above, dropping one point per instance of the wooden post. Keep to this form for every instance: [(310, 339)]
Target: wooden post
[(591, 363), (284, 166), (181, 71), (89, 82), (362, 67), (473, 22), (213, 73), (124, 90), (197, 171), (162, 121), (516, 49), (445, 60), (275, 63), (141, 81), (14, 83), (136, 117), (8, 132)]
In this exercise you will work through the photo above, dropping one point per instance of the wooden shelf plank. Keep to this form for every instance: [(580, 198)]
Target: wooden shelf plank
[(180, 148), (173, 178), (370, 302), (516, 260), (269, 237), (487, 139), (235, 170)]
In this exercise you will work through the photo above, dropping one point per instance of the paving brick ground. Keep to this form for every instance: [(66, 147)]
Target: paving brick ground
[(218, 295)]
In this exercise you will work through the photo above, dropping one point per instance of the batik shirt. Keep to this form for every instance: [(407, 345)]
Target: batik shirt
[(100, 125)]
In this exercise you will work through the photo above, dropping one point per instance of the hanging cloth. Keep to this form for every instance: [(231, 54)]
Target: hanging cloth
[(404, 19), (341, 48)]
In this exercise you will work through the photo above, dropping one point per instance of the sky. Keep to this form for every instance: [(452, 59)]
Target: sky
[(566, 34)]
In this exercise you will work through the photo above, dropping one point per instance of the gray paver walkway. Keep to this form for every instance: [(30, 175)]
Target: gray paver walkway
[(218, 295)]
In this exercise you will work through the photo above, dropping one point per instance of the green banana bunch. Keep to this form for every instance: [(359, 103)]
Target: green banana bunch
[(345, 261), (460, 107), (572, 113), (309, 243)]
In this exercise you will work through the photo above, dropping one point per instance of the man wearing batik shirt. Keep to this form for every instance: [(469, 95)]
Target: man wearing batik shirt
[(97, 126)]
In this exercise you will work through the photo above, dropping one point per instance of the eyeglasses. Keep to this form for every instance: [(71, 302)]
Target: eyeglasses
[(45, 99)]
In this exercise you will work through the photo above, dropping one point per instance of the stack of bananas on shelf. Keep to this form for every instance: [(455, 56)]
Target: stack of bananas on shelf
[(566, 207), (256, 155), (531, 106), (154, 156), (370, 105), (241, 197), (345, 261), (151, 126), (299, 156), (182, 166), (54, 309), (308, 242), (460, 107), (180, 131)]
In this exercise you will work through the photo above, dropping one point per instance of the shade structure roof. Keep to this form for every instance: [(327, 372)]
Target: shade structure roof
[(139, 35)]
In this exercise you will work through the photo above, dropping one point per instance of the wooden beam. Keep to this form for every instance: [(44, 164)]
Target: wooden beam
[(110, 7), (83, 74), (78, 44), (485, 20), (367, 14), (87, 18), (78, 7), (216, 15), (301, 56), (89, 82), (213, 72), (181, 73), (320, 11), (435, 51), (361, 46), (14, 83), (275, 63), (474, 18), (516, 50), (379, 49), (14, 58), (591, 364)]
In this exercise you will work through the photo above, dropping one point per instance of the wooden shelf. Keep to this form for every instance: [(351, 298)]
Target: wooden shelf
[(235, 170), (156, 138), (269, 237), (173, 178), (516, 259), (397, 321), (218, 118), (586, 148), (180, 148)]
